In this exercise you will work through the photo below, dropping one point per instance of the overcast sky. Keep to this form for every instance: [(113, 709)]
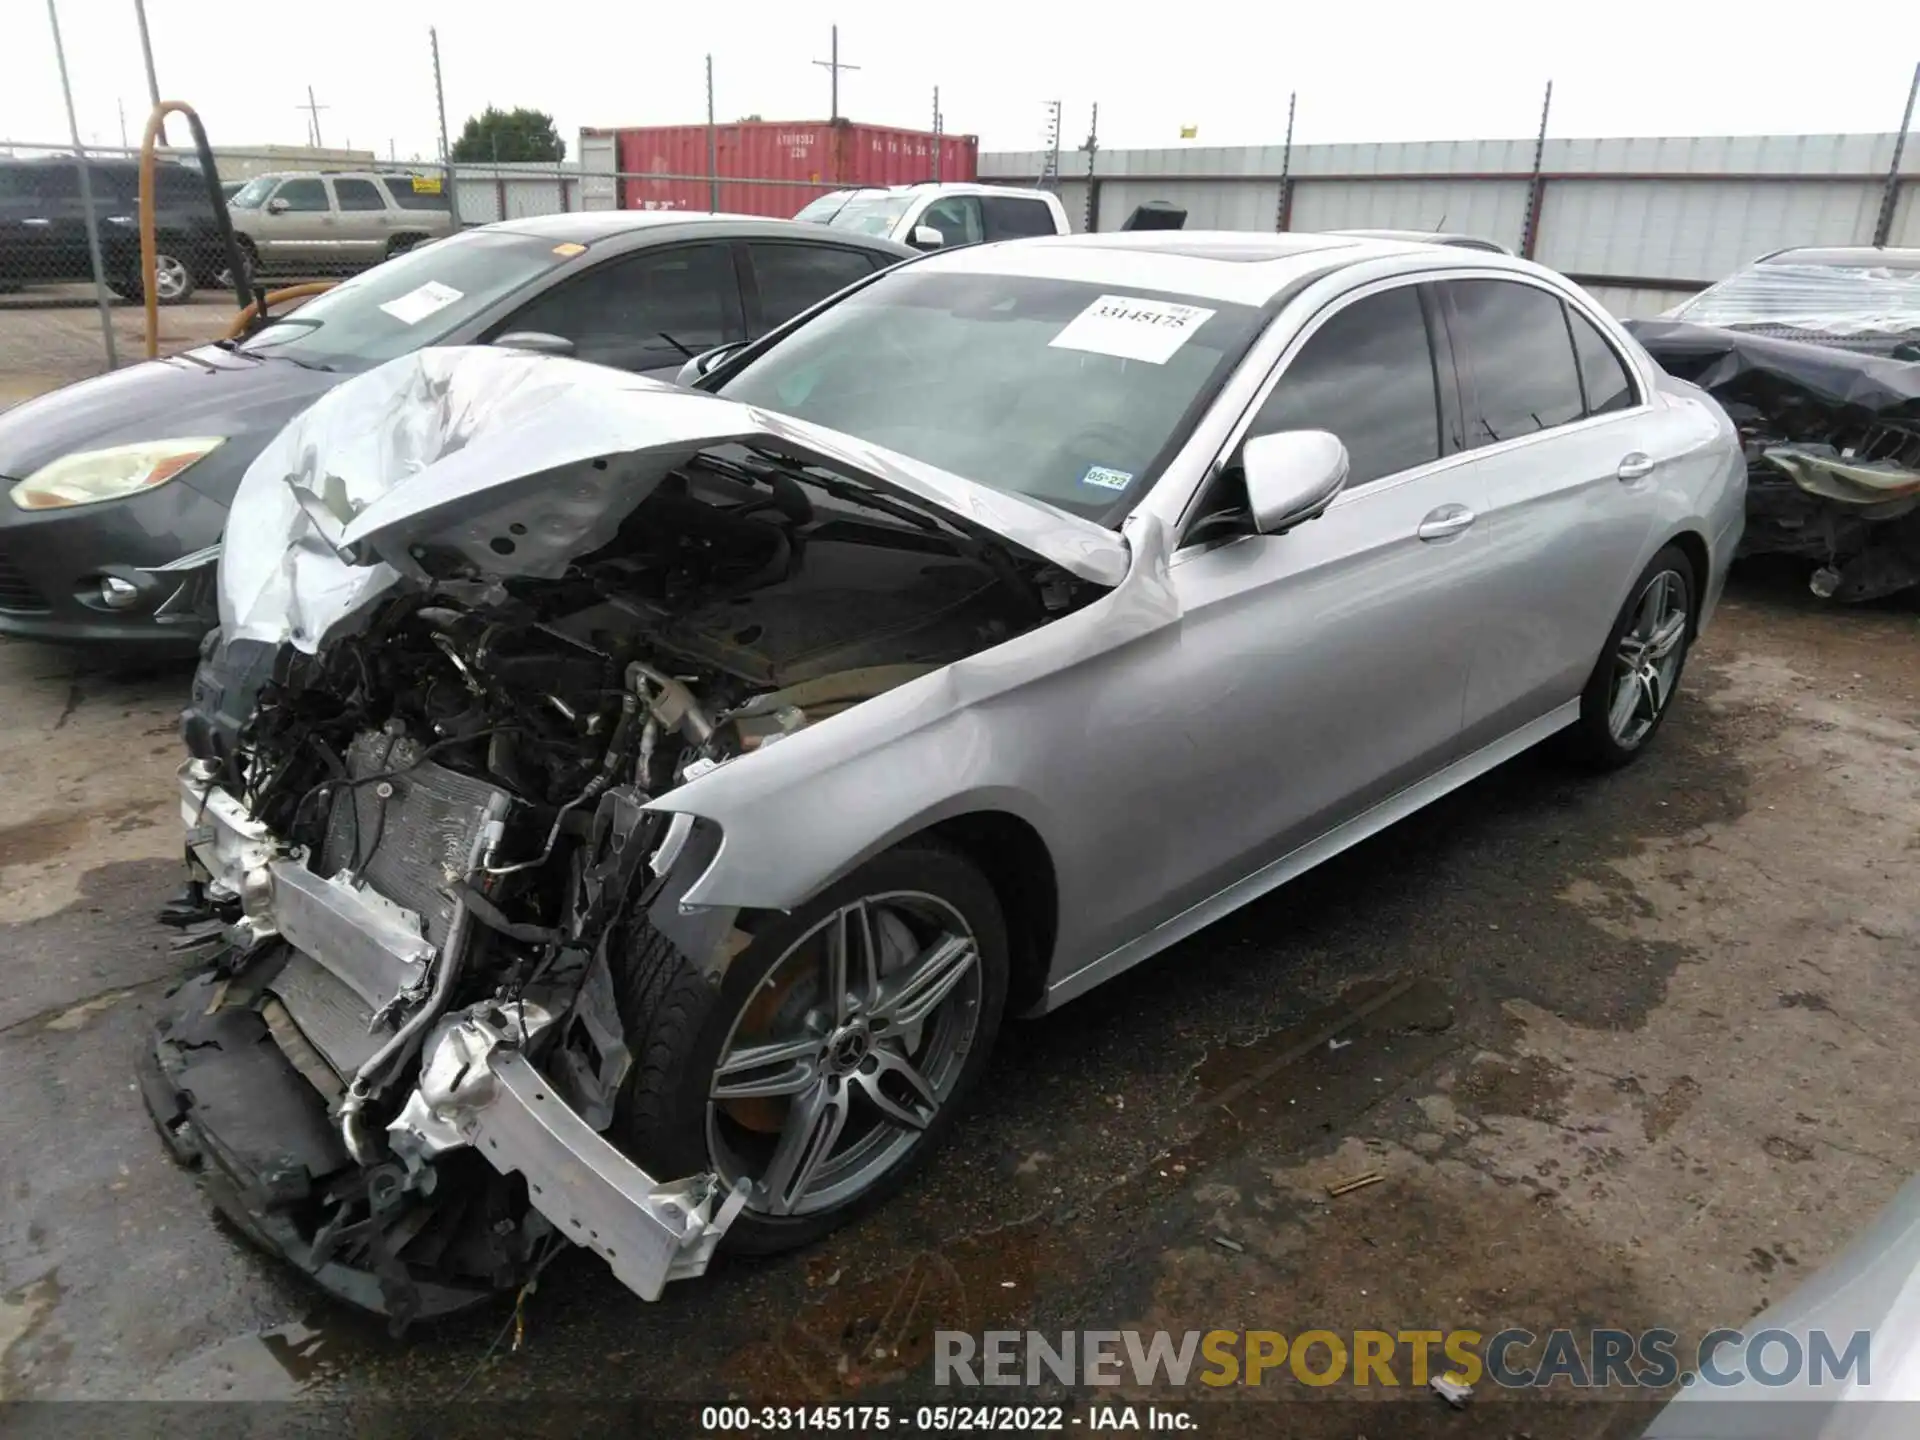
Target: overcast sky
[(1459, 69)]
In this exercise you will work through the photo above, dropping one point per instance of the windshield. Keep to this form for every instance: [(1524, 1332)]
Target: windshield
[(824, 209), (1824, 299), (411, 301), (1068, 393), (253, 194), (871, 214)]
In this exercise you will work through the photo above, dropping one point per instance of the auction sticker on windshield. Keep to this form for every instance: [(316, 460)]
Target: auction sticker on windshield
[(416, 305), (1132, 328)]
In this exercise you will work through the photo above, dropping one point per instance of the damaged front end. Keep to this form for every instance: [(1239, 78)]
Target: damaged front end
[(1832, 439), (480, 612)]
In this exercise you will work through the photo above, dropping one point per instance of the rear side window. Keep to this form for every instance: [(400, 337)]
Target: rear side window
[(408, 194), (358, 195), (303, 195), (793, 277), (1602, 372), (1367, 375), (1518, 358), (178, 185), (1010, 219)]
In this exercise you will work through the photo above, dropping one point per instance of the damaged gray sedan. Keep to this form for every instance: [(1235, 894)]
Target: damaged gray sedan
[(623, 815)]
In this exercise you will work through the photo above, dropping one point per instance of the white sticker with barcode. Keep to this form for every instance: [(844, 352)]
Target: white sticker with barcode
[(1132, 328)]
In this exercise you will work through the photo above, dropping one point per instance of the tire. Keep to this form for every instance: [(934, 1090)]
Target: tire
[(1606, 738), (679, 1027), (400, 244), (174, 279)]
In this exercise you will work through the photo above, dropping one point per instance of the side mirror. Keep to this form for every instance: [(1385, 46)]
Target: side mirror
[(704, 362), (1292, 476), (276, 206), (538, 341), (926, 237)]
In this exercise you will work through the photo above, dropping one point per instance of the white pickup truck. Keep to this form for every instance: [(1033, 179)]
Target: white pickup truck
[(930, 216)]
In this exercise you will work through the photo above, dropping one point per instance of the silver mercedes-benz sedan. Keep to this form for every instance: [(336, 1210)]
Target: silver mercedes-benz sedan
[(623, 814)]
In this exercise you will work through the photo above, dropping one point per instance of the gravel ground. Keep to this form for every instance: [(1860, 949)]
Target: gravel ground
[(1631, 1051)]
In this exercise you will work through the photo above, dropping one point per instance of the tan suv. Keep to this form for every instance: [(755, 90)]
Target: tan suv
[(309, 221)]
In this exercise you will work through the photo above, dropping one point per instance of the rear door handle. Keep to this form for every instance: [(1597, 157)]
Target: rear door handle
[(1445, 522), (1636, 466)]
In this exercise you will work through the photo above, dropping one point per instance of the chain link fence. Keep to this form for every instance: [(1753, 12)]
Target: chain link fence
[(71, 286)]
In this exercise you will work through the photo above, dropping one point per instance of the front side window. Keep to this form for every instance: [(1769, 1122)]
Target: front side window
[(358, 195), (957, 218), (794, 277), (1367, 375), (643, 312), (303, 195), (1072, 393), (1518, 359), (1010, 219)]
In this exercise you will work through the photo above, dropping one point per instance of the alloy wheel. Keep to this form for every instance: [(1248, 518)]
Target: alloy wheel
[(1648, 657), (845, 1053), (170, 279)]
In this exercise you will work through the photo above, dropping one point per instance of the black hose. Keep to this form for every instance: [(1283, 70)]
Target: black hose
[(494, 918)]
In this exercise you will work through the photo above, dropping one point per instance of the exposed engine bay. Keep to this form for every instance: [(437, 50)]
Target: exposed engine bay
[(417, 852)]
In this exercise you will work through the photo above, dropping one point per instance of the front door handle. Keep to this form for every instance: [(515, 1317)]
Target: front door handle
[(1445, 522), (1636, 466)]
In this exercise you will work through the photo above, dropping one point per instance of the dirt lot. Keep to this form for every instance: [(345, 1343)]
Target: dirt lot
[(50, 335), (1635, 1051)]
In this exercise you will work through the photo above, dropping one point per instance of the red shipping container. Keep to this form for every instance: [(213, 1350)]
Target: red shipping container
[(809, 157)]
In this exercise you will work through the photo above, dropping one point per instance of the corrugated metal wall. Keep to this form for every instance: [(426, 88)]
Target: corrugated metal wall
[(1644, 220)]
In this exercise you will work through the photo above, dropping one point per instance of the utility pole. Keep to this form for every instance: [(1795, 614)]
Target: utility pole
[(439, 96), (1092, 147), (938, 143), (313, 110), (1050, 167), (1284, 220), (86, 193), (146, 54), (1536, 191), (123, 124), (1883, 227), (713, 167), (834, 67)]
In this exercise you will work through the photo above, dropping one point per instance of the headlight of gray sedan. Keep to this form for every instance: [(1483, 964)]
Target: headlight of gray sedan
[(87, 477)]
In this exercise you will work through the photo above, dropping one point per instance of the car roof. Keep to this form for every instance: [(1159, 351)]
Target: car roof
[(1863, 256), (1238, 267), (1424, 237), (584, 227)]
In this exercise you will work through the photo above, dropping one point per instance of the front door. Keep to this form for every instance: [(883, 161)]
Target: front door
[(1325, 667), (296, 225)]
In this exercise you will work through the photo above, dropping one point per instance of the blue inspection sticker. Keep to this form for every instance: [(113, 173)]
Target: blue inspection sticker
[(1103, 478)]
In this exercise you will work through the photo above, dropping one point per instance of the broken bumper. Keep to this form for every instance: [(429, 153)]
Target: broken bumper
[(236, 1106)]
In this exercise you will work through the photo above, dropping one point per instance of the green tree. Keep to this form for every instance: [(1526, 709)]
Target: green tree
[(509, 135)]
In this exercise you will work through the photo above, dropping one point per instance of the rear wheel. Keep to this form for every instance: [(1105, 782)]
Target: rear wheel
[(1633, 683), (832, 1057), (400, 244)]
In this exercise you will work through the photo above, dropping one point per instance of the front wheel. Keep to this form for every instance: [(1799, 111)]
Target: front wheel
[(1633, 683), (833, 1056), (172, 282)]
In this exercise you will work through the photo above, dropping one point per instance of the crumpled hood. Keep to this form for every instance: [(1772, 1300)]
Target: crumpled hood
[(209, 392), (521, 463)]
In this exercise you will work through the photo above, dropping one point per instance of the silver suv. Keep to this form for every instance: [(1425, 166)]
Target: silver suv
[(338, 221)]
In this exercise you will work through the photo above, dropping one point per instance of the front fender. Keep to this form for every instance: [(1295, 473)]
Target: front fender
[(796, 816)]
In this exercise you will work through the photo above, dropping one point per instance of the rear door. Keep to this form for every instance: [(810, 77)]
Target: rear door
[(362, 220), (1554, 431), (785, 277), (1327, 665), (648, 311), (1015, 217)]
